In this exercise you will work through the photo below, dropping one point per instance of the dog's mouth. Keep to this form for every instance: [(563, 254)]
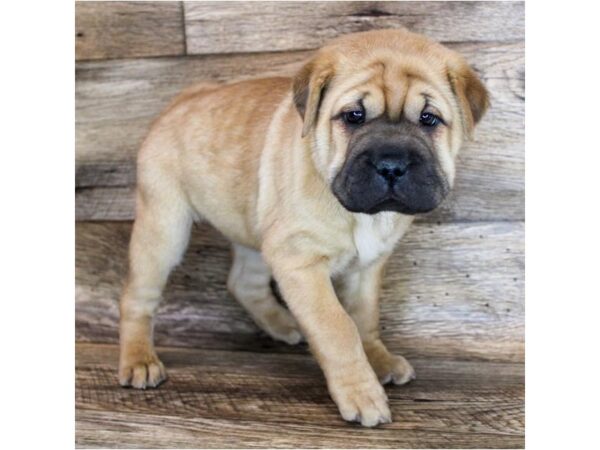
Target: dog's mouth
[(393, 204), (364, 203)]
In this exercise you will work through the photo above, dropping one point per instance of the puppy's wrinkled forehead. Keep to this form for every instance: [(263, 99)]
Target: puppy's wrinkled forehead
[(384, 85), (385, 67), (394, 83)]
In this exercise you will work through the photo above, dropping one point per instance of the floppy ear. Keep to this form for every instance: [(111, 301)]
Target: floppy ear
[(472, 95), (309, 89)]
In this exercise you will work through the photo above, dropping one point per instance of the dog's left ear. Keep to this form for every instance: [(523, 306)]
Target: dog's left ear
[(472, 95), (309, 89)]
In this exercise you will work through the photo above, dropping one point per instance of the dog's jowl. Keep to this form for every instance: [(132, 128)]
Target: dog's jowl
[(314, 180)]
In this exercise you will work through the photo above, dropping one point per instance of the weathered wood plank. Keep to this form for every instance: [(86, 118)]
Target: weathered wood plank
[(117, 100), (453, 290), (128, 29), (235, 27), (239, 399), (102, 203), (113, 429)]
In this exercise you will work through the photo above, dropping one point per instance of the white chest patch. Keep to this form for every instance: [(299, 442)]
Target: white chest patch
[(375, 235)]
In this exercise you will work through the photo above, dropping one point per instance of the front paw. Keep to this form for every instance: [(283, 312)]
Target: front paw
[(361, 400), (388, 367), (141, 370)]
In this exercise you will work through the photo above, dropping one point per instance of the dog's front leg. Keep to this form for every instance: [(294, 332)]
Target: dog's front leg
[(335, 342), (359, 291)]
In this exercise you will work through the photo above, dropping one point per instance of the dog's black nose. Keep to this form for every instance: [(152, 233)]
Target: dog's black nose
[(392, 167)]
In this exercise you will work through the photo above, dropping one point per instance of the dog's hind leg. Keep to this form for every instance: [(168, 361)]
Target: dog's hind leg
[(360, 292), (159, 239), (249, 282)]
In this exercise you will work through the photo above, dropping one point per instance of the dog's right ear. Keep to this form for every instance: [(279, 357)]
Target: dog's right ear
[(309, 89)]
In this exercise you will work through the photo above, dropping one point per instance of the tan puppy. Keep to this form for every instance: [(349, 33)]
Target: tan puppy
[(314, 180)]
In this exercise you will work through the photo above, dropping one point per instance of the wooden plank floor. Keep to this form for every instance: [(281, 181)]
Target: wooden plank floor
[(226, 399), (230, 386)]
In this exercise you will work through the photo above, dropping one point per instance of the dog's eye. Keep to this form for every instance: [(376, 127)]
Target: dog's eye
[(429, 119), (354, 117)]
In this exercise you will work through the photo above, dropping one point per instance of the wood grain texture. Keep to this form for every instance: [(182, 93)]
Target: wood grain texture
[(235, 27), (128, 29), (453, 290), (105, 202), (117, 100), (216, 399)]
